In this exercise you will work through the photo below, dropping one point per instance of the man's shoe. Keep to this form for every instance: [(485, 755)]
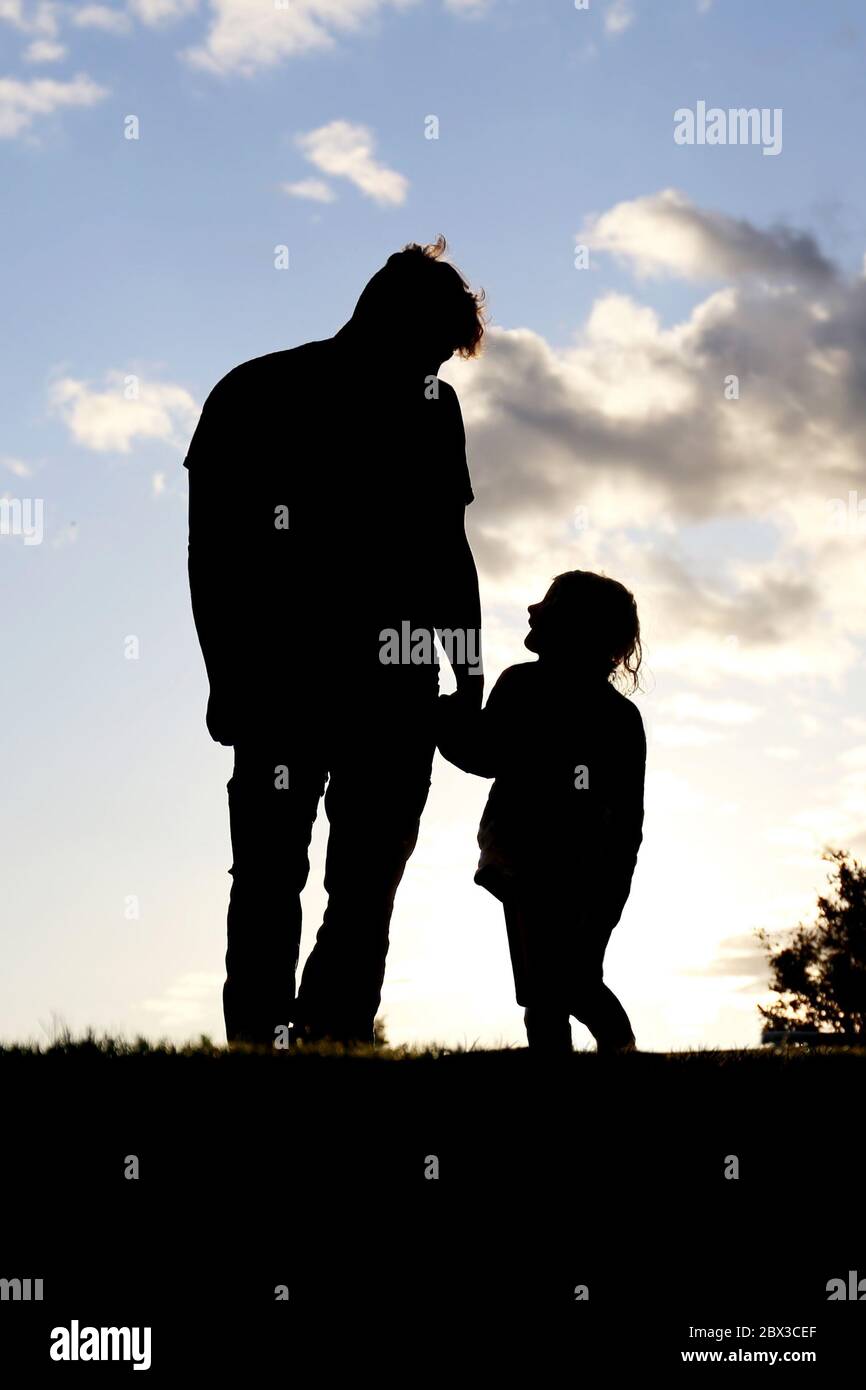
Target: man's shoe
[(546, 1032)]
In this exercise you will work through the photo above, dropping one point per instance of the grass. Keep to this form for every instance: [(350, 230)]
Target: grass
[(91, 1046), (296, 1157)]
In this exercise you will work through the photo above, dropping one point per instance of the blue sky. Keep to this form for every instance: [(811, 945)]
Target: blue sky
[(154, 259)]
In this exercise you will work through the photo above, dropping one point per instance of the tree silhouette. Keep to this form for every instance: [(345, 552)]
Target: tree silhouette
[(821, 973)]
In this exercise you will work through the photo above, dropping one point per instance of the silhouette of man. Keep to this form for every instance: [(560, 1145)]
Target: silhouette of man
[(327, 492)]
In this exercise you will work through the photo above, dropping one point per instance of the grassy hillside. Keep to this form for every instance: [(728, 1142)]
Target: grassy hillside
[(315, 1169)]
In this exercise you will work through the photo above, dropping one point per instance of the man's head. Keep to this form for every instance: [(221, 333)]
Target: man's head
[(419, 309)]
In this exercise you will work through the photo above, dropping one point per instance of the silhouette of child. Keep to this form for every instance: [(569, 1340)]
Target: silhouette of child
[(560, 833)]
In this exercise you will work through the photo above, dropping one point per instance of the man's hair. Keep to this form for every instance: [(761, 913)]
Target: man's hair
[(605, 612), (416, 283)]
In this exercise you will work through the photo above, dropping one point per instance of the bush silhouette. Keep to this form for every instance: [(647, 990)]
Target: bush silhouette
[(820, 974)]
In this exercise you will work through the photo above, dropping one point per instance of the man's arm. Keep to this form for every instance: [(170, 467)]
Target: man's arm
[(460, 606), (211, 461), (458, 598)]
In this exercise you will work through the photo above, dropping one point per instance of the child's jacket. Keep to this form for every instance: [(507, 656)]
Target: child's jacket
[(566, 808)]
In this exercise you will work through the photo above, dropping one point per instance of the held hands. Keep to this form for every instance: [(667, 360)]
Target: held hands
[(470, 690), (458, 721)]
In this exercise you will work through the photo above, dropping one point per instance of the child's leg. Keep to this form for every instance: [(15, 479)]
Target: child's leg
[(604, 1016), (546, 1016), (592, 1002)]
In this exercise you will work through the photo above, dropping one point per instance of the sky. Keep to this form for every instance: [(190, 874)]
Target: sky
[(672, 392)]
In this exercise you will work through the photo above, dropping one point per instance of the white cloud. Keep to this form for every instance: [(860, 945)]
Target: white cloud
[(65, 535), (185, 1002), (244, 38), (631, 424), (16, 466), (167, 11), (39, 20), (468, 7), (157, 482), (44, 51), (665, 233), (618, 17), (106, 421), (102, 17), (729, 712), (684, 736), (832, 813), (345, 151), (22, 102), (669, 794), (739, 956), (46, 18), (855, 758), (316, 190)]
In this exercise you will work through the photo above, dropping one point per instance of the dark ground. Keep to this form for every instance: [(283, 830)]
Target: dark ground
[(309, 1171)]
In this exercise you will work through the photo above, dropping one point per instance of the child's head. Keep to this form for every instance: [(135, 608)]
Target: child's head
[(589, 621)]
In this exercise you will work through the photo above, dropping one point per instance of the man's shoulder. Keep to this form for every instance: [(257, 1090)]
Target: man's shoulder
[(280, 365), (447, 392), (449, 402), (251, 391)]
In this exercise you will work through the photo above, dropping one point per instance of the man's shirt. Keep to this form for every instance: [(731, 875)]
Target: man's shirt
[(325, 496)]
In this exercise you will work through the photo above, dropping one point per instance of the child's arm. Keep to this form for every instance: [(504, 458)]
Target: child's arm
[(470, 738)]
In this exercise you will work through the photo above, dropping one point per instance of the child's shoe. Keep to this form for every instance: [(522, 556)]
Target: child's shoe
[(605, 1049)]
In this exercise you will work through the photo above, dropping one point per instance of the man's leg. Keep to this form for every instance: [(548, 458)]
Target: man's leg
[(375, 797), (271, 826)]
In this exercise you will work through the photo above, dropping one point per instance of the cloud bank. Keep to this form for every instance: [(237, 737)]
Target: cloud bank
[(636, 445)]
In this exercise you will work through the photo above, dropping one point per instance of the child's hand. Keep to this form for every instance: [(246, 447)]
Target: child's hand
[(459, 731), (469, 692), (449, 712)]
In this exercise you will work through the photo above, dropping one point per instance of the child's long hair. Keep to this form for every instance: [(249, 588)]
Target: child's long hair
[(609, 625)]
